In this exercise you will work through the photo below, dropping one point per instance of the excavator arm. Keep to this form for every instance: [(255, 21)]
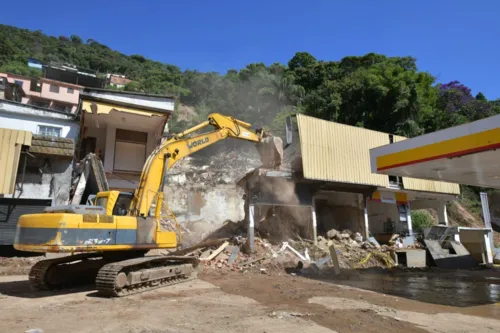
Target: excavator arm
[(150, 189)]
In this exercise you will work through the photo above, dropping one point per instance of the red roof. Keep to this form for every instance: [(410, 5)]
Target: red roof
[(119, 80)]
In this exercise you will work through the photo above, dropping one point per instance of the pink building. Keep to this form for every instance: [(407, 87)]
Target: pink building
[(51, 94)]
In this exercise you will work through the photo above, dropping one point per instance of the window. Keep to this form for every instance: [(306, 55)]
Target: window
[(49, 130), (40, 103), (71, 90), (35, 85), (122, 204), (61, 107), (19, 83), (101, 202), (53, 88)]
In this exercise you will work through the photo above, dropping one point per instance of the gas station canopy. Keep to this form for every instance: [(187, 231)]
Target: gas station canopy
[(465, 154)]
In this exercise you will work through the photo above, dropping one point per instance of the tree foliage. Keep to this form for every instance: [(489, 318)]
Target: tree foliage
[(374, 91)]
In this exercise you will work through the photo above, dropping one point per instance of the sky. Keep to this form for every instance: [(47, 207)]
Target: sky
[(453, 40)]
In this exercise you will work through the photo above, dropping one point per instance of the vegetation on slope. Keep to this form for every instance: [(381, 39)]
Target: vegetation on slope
[(373, 91)]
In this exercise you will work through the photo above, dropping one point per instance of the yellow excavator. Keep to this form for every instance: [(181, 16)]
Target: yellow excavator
[(107, 242)]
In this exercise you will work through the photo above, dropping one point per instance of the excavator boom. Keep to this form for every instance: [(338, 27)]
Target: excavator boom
[(179, 146)]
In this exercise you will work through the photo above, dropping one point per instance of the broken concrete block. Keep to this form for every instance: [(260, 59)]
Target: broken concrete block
[(206, 253), (366, 245), (496, 258), (331, 233), (271, 151), (357, 237)]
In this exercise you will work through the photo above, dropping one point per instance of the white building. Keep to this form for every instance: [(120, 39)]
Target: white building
[(37, 148), (122, 129)]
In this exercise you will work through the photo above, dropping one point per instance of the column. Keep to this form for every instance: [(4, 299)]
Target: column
[(314, 222), (408, 219), (109, 150), (365, 210), (251, 227), (442, 214)]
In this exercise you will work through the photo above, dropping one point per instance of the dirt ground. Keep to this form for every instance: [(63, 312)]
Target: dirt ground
[(355, 301)]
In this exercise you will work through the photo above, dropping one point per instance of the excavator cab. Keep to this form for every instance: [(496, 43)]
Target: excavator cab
[(114, 202)]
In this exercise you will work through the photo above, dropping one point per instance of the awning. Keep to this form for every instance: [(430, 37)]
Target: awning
[(465, 154), (11, 142), (105, 108)]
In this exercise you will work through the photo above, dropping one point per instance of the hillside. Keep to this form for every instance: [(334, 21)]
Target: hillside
[(373, 91)]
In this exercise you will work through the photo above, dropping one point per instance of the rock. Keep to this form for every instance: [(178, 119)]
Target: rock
[(178, 179), (338, 237), (496, 259), (345, 236), (366, 245), (353, 243), (357, 237), (331, 233), (219, 265), (205, 175), (34, 330), (206, 253), (222, 257)]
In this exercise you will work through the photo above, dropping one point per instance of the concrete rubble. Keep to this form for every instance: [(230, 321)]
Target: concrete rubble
[(226, 250)]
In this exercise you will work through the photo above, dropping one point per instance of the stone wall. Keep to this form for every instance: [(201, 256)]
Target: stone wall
[(202, 191)]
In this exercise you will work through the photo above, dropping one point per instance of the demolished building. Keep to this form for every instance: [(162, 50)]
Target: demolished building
[(36, 158), (122, 129), (326, 183)]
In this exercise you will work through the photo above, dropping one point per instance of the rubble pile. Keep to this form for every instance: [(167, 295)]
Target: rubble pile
[(351, 251)]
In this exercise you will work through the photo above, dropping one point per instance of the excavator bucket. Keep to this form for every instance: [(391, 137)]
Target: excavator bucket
[(271, 151)]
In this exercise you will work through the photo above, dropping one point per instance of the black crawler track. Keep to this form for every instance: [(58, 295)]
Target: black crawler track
[(182, 269), (59, 273)]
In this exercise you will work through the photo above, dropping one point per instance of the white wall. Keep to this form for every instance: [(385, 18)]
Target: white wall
[(109, 154), (378, 212), (30, 123), (99, 134)]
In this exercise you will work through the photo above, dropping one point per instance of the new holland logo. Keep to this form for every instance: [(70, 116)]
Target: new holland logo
[(198, 142)]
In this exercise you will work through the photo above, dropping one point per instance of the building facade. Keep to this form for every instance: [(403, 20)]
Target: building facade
[(46, 93), (118, 81), (329, 175), (122, 129), (37, 148)]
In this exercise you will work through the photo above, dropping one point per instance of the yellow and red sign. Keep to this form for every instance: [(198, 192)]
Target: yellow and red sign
[(399, 198)]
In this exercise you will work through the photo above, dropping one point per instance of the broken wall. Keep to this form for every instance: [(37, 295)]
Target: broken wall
[(46, 177), (340, 210), (379, 213), (201, 190)]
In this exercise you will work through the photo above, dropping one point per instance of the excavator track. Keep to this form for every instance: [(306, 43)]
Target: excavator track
[(58, 273), (138, 275)]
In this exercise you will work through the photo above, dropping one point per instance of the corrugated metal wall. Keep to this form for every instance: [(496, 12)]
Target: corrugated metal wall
[(416, 184), (11, 209), (339, 153), (11, 142)]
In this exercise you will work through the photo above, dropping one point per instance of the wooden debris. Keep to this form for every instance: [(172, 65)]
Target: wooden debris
[(216, 252), (252, 261), (213, 242)]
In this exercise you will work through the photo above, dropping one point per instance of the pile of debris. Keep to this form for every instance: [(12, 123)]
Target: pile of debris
[(344, 249)]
